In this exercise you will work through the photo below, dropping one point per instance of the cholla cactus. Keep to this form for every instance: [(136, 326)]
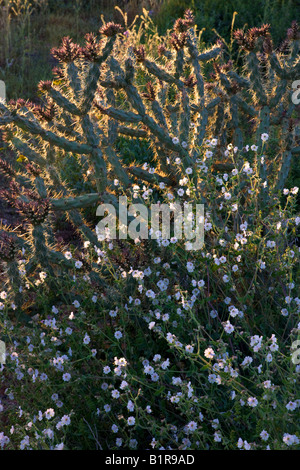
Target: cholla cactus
[(9, 248), (95, 97)]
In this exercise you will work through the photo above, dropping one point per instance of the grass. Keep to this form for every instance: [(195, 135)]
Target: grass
[(32, 27)]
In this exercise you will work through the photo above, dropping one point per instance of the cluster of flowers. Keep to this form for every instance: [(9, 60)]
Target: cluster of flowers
[(179, 348)]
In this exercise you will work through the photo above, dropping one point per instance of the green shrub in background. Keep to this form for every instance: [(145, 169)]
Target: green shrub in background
[(31, 28), (217, 15)]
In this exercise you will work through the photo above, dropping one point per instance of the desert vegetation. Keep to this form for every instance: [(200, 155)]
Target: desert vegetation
[(146, 343)]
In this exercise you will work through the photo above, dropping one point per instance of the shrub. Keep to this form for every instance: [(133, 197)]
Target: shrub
[(215, 17)]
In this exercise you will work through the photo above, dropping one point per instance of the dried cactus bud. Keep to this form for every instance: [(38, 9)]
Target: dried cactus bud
[(8, 246), (68, 52), (11, 193), (5, 135), (240, 38), (47, 111), (293, 33), (178, 41), (181, 25), (35, 212), (140, 53), (33, 169), (209, 86), (220, 43), (161, 49), (44, 86), (217, 69), (190, 82), (6, 169), (58, 73), (248, 40), (151, 96), (284, 46), (189, 17), (92, 49), (228, 66), (20, 103), (263, 31), (235, 87), (268, 45), (111, 29)]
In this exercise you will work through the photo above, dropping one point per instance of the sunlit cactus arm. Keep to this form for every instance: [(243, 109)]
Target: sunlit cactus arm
[(242, 81), (149, 177), (212, 104), (10, 173), (253, 66), (73, 75), (35, 129), (213, 53), (185, 118), (93, 76), (219, 122), (63, 102), (237, 133), (119, 114), (287, 155), (162, 74), (194, 54), (279, 92), (159, 115), (108, 148), (286, 161), (165, 139), (263, 125), (78, 202), (116, 85), (246, 107), (4, 120), (294, 33), (202, 126), (118, 169), (20, 241), (283, 72), (162, 94), (41, 251), (179, 63), (156, 107), (68, 128), (15, 282), (81, 226), (40, 187), (139, 133), (173, 112), (96, 157)]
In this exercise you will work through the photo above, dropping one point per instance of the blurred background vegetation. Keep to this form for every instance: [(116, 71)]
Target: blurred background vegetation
[(30, 28)]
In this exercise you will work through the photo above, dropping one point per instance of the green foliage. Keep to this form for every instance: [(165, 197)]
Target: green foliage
[(217, 15)]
